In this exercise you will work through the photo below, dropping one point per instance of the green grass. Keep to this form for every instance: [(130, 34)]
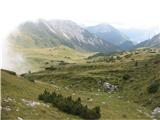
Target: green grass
[(38, 58), (85, 76), (18, 88), (80, 80)]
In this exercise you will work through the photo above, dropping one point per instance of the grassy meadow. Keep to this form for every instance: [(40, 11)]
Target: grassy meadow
[(80, 79)]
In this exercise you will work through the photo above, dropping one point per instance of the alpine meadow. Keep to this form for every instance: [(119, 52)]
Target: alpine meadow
[(75, 60)]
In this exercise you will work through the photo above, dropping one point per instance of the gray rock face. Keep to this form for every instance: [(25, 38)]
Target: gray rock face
[(112, 35), (19, 118), (30, 102), (109, 87), (7, 108), (156, 113)]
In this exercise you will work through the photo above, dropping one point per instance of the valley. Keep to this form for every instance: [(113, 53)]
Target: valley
[(98, 64), (81, 80)]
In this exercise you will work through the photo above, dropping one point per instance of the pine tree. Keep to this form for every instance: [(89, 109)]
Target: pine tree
[(70, 106)]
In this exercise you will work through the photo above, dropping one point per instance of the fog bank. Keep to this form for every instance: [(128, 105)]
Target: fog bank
[(11, 59)]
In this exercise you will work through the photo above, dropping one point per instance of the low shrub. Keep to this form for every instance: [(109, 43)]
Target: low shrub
[(70, 106), (51, 68), (126, 77), (136, 64), (31, 80), (154, 87)]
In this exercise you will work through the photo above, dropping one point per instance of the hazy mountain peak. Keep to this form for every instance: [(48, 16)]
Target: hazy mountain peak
[(66, 27), (154, 42), (112, 35), (138, 35), (52, 33), (103, 27)]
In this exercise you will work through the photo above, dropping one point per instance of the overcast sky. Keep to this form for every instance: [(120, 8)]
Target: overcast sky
[(128, 13)]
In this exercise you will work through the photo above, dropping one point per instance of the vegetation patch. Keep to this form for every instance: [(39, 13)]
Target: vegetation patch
[(8, 71), (154, 87), (70, 106), (126, 77), (51, 68)]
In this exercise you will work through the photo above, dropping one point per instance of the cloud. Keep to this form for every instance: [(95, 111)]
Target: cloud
[(134, 13), (128, 13), (11, 59)]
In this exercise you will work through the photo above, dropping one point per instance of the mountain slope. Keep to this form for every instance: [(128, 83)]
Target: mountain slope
[(140, 66), (112, 35), (19, 99), (39, 58), (45, 34), (143, 68), (154, 42), (138, 35)]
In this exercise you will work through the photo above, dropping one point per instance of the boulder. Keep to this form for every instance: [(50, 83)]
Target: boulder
[(156, 112), (19, 118), (109, 87)]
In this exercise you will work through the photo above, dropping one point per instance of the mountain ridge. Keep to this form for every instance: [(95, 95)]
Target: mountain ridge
[(59, 32), (112, 35), (154, 42)]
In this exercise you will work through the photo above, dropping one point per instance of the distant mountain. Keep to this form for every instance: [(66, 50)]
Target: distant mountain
[(138, 35), (154, 42), (45, 34), (112, 35)]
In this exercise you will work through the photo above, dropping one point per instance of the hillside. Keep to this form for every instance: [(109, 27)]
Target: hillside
[(136, 65), (138, 35), (20, 100), (154, 42), (127, 70), (67, 59), (46, 34), (112, 35), (38, 58), (141, 67)]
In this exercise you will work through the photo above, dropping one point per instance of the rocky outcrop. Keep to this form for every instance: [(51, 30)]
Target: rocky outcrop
[(108, 87), (156, 113)]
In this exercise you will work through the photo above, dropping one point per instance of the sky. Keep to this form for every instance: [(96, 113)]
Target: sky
[(125, 13), (139, 14)]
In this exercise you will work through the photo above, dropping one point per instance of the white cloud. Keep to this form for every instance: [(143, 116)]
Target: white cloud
[(129, 13)]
